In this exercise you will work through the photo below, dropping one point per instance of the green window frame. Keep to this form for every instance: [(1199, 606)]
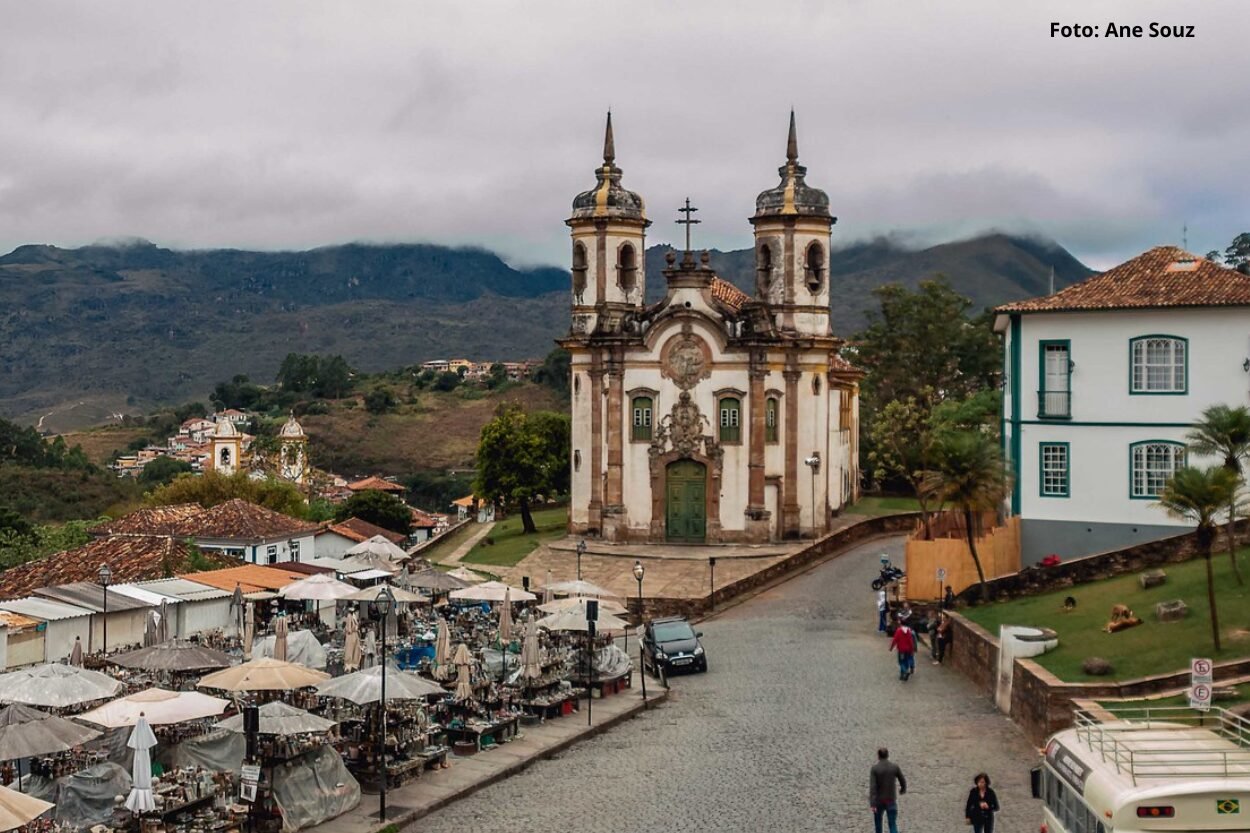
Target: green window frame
[(770, 419), (1151, 463), (1158, 365), (1054, 468), (643, 409), (1053, 404), (730, 410)]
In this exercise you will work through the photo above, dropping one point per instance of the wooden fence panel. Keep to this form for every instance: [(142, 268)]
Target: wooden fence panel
[(999, 550)]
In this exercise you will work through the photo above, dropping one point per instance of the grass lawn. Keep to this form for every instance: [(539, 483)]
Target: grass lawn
[(1150, 648), (510, 545), (884, 506)]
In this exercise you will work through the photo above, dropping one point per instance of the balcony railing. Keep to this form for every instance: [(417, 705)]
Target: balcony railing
[(1054, 404)]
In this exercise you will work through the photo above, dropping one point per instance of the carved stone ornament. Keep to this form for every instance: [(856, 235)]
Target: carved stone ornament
[(687, 360), (682, 429)]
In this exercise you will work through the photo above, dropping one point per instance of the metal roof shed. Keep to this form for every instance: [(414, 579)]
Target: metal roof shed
[(62, 624), (203, 609), (127, 616)]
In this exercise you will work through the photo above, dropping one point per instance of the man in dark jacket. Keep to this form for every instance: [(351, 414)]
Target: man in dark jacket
[(882, 796)]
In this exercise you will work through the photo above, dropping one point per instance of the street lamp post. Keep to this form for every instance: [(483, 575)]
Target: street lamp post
[(105, 575), (383, 603), (581, 549), (639, 571), (711, 567), (813, 463)]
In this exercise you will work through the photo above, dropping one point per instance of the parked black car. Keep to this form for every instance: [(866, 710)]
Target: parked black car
[(672, 645)]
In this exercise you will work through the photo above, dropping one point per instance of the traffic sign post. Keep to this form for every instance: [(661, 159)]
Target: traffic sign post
[(1200, 697), (1201, 682)]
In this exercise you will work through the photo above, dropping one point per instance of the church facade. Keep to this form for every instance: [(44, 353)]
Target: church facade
[(712, 416)]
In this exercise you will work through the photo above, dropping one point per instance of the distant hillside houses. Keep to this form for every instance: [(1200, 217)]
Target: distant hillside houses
[(480, 370)]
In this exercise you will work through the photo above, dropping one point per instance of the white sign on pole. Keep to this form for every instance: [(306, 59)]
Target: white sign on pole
[(1200, 671), (941, 574), (250, 772), (1200, 697)]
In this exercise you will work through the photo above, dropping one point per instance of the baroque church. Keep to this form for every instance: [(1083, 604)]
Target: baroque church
[(230, 452), (711, 416)]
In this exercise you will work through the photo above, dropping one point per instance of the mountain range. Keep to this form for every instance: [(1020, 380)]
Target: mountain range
[(103, 329)]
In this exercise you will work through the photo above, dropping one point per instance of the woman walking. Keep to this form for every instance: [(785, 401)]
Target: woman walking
[(982, 805)]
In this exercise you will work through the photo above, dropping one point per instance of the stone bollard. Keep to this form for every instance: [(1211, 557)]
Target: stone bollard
[(1171, 611), (1152, 578)]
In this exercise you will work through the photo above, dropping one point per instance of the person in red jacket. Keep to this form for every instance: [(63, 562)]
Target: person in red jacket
[(904, 642)]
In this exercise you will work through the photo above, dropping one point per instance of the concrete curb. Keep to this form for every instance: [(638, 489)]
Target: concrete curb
[(410, 816)]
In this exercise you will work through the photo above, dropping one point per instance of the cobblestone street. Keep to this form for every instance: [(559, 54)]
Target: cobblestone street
[(779, 735)]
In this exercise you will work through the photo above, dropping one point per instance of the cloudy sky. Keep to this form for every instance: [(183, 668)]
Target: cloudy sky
[(298, 124)]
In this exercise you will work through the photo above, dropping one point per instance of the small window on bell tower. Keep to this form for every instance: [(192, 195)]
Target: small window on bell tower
[(814, 271), (764, 268), (579, 272), (627, 268)]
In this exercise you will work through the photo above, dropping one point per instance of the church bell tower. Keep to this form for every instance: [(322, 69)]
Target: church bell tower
[(609, 246), (793, 227)]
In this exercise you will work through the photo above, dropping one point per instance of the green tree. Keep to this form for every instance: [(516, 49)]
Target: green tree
[(212, 488), (554, 372), (162, 470), (1199, 495), (298, 372), (378, 508), (521, 457), (447, 381), (1238, 252), (334, 377), (42, 541), (970, 474), (1224, 432), (903, 440), (379, 400), (498, 376)]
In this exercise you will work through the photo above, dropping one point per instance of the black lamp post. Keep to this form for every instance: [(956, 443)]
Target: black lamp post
[(581, 549), (711, 568), (383, 603), (639, 571), (105, 575)]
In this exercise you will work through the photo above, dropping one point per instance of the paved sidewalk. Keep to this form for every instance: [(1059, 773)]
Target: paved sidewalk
[(438, 788), (468, 544)]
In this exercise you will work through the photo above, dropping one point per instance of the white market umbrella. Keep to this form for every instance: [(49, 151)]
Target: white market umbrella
[(323, 587), (263, 674), (371, 561), (279, 639), (365, 686), (575, 620), (56, 686), (465, 574), (577, 587), (142, 740), (27, 732), (579, 603), (351, 642), (277, 718), (379, 545), (492, 591), (158, 706), (505, 619), (436, 580), (174, 655), (249, 629), (18, 809), (442, 650), (370, 594)]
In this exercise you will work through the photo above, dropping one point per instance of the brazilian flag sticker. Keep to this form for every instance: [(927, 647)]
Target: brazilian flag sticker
[(1227, 806)]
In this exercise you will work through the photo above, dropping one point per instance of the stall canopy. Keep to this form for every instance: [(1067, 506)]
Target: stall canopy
[(159, 706), (492, 591), (436, 580), (17, 809), (322, 587), (302, 647), (370, 563), (175, 655), (379, 546), (27, 732), (578, 587), (56, 686), (467, 575), (579, 603), (366, 686), (370, 594), (278, 718), (263, 674), (575, 620)]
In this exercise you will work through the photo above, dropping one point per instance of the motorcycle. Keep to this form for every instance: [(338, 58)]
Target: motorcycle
[(889, 575)]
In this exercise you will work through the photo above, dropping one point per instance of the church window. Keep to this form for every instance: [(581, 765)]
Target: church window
[(815, 268), (627, 268), (642, 407), (225, 457), (770, 420), (579, 271), (764, 267), (730, 420)]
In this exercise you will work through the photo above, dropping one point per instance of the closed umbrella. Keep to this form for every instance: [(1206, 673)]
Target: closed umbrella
[(531, 662), (236, 609), (141, 741), (277, 718), (505, 619), (150, 635), (56, 686), (442, 650), (27, 732), (249, 629), (463, 661), (174, 655), (158, 706), (322, 587), (18, 809), (547, 589), (75, 654), (365, 686), (263, 674), (371, 649), (351, 642), (279, 639), (165, 631)]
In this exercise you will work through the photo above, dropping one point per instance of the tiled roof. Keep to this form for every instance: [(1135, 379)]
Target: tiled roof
[(840, 365), (130, 557), (16, 621), (1165, 276), (421, 520), (468, 501), (359, 530), (250, 577), (240, 520), (156, 520), (728, 294), (372, 483)]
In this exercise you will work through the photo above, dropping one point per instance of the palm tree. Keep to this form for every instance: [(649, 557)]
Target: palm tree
[(970, 475), (1198, 495), (1225, 432)]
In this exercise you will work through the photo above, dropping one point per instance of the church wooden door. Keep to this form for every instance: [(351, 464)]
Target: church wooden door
[(686, 515)]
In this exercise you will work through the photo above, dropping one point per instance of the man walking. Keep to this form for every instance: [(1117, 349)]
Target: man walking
[(882, 792), (881, 610), (904, 642)]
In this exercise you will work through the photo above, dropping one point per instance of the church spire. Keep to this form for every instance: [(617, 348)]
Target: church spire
[(609, 143), (792, 142)]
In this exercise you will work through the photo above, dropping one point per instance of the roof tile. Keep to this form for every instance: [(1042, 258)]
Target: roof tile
[(728, 294), (241, 520)]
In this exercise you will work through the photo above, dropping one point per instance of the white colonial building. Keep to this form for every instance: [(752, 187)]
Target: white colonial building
[(711, 416), (1102, 382)]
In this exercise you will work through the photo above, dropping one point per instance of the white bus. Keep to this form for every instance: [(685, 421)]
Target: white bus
[(1137, 770)]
